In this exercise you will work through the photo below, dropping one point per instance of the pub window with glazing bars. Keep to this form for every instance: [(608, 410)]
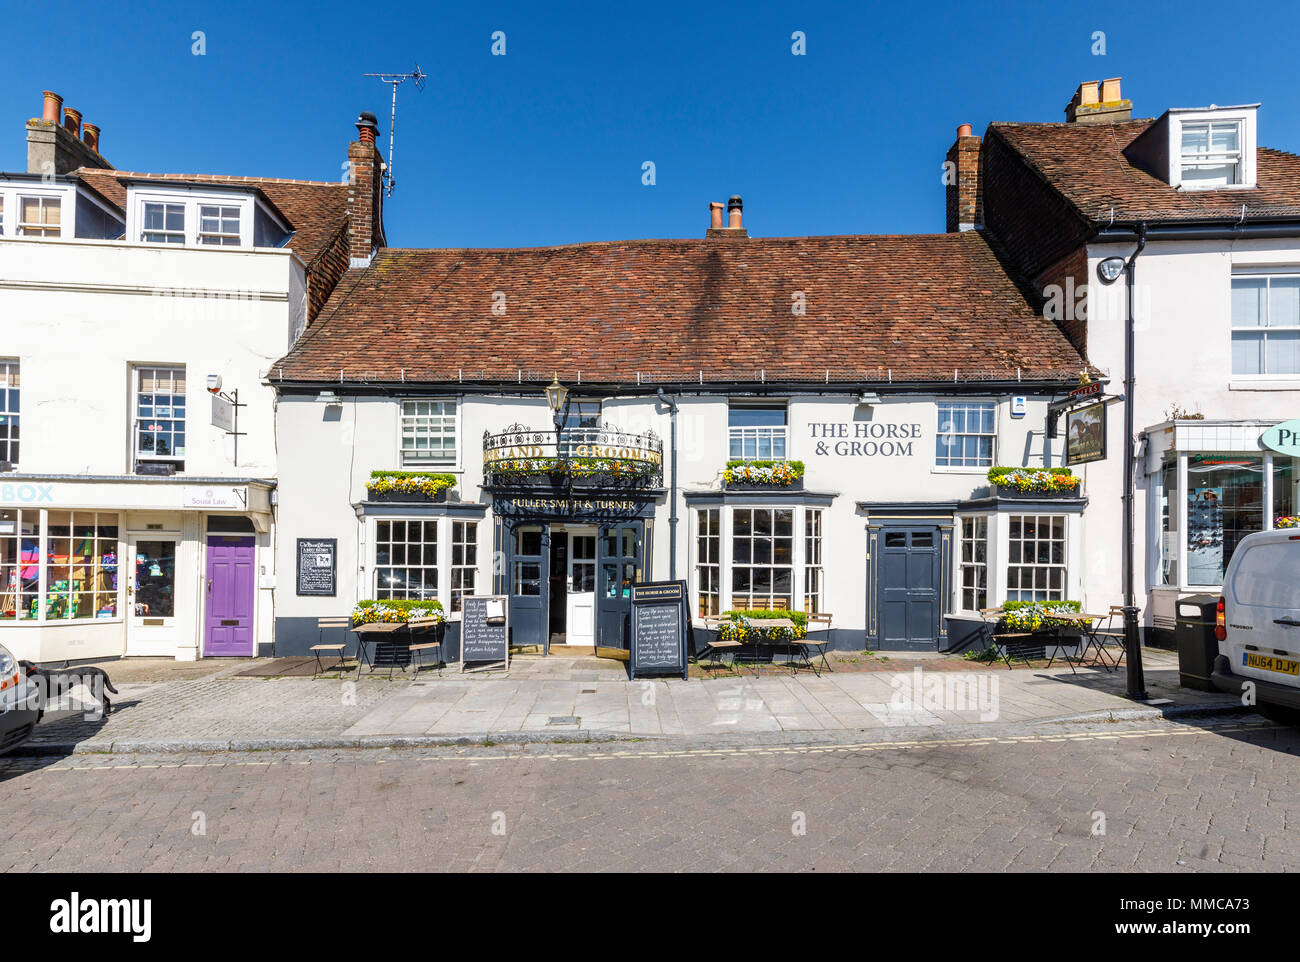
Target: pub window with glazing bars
[(406, 560), (762, 558), (708, 540), (966, 434), (812, 559), (974, 563), (429, 432), (464, 560), (756, 432), (1036, 558)]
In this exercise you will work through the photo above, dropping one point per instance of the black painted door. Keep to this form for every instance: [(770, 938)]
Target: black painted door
[(907, 572), (619, 564), (528, 580)]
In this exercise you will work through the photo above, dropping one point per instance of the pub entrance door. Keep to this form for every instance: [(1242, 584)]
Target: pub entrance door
[(528, 579), (620, 557)]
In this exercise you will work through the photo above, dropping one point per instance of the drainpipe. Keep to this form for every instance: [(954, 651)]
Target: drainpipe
[(1136, 682), (672, 486)]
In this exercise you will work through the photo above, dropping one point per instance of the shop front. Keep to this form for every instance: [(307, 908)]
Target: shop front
[(93, 568), (1211, 483)]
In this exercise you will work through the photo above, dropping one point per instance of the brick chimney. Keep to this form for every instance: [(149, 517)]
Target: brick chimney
[(1098, 102), (965, 192), (53, 142), (735, 212), (365, 193)]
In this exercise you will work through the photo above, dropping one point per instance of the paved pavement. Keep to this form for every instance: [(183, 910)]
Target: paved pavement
[(1208, 795), (545, 700)]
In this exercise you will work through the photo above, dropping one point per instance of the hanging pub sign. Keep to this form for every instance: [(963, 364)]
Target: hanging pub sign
[(317, 566), (484, 633), (660, 628), (1085, 434), (1283, 438)]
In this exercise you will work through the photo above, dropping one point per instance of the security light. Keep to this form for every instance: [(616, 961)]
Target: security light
[(868, 397), (214, 383), (328, 398), (1110, 269)]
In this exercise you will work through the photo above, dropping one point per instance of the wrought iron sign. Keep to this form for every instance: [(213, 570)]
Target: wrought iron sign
[(590, 456)]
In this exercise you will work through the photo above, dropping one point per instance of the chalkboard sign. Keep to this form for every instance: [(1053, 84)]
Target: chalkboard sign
[(659, 629), (317, 566), (484, 632)]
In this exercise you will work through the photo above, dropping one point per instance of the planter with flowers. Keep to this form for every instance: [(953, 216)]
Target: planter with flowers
[(395, 611), (409, 486), (1035, 482), (1286, 522), (763, 475), (593, 472)]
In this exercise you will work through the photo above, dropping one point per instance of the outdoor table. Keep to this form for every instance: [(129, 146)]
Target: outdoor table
[(384, 633), (792, 645), (1093, 630)]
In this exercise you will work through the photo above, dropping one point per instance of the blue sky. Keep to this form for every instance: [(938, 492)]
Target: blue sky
[(545, 145)]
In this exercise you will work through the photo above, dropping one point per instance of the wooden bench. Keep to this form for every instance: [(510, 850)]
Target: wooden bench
[(419, 647), (339, 651)]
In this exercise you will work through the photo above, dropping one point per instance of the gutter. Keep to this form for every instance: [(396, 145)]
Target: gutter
[(1179, 232)]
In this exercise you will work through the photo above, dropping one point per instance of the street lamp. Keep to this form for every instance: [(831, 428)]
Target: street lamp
[(555, 396), (1109, 270)]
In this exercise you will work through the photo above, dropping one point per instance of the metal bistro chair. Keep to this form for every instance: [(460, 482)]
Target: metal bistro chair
[(1011, 643), (1100, 637), (725, 650), (823, 621), (339, 651), (418, 648)]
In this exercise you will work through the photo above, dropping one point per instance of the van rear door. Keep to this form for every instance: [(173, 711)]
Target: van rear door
[(1263, 609)]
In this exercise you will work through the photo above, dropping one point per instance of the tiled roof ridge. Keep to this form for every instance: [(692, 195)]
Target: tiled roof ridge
[(230, 178), (708, 242)]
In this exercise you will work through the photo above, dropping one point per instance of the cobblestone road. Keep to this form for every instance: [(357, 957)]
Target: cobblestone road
[(1218, 795)]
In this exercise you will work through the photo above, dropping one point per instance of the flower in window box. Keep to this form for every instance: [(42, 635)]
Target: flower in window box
[(1286, 522)]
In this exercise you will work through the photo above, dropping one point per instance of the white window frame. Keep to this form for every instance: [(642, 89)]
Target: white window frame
[(438, 565), (179, 235), (98, 519), (814, 553), (714, 566), (137, 455), (989, 525), (1267, 276), (759, 434), (219, 238), (1227, 158), (453, 567), (10, 380), (417, 462), (964, 468), (1063, 565), (39, 228), (1243, 115), (193, 200)]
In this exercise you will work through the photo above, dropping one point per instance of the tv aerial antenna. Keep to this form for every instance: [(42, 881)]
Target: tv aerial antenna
[(395, 80)]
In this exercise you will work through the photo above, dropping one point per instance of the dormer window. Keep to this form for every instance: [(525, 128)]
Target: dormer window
[(164, 224), (219, 225), (1211, 154), (40, 216)]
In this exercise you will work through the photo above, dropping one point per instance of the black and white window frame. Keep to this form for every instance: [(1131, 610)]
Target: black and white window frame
[(966, 434), (450, 562), (426, 419), (148, 423), (10, 404)]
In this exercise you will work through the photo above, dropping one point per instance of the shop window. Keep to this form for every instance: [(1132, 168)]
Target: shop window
[(967, 432), (1225, 502), (1036, 558), (39, 216), (164, 224), (9, 411), (1169, 520), (762, 558), (464, 561), (974, 564), (160, 415), (429, 432), (406, 560), (1283, 487), (1211, 154), (79, 559), (757, 432), (812, 561), (20, 559), (218, 226), (708, 538), (1266, 324)]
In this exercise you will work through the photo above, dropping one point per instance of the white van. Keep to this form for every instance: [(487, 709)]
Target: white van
[(1258, 623)]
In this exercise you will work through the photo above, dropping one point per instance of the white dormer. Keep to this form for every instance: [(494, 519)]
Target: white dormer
[(54, 207), (158, 212), (1212, 148)]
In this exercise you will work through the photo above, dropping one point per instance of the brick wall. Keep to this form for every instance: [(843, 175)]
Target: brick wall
[(365, 201), (965, 198), (324, 271), (1069, 274)]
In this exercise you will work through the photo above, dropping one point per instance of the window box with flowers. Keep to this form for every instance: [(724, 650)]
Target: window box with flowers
[(1035, 482), (596, 472), (763, 475), (1286, 522), (408, 486), (741, 626), (395, 611)]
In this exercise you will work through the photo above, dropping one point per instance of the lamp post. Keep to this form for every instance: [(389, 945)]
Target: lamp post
[(1109, 271)]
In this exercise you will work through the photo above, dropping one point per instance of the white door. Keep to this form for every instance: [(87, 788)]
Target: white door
[(580, 621), (150, 574)]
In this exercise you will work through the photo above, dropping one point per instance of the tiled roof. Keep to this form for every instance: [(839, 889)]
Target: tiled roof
[(920, 307), (315, 209), (1085, 163)]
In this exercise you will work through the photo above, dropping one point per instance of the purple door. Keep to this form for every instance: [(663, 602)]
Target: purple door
[(228, 622)]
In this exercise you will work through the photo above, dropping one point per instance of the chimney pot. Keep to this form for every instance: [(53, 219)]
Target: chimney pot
[(367, 127), (1098, 101), (1088, 93), (734, 209), (964, 130), (53, 104), (715, 215), (90, 136), (72, 121), (1110, 90)]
